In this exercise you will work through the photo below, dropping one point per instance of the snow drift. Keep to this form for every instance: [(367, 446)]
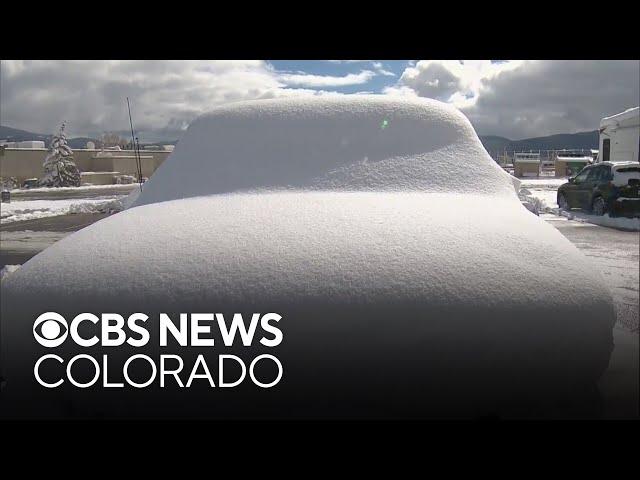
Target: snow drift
[(411, 281)]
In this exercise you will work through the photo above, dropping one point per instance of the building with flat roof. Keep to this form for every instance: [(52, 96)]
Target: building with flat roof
[(570, 162), (96, 166), (526, 164)]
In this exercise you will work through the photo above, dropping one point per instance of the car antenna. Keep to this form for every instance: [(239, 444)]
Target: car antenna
[(136, 147)]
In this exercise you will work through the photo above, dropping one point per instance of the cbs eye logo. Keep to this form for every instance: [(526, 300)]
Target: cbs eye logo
[(50, 329)]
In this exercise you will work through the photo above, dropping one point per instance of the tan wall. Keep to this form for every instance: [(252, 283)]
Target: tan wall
[(521, 168), (23, 163), (561, 169), (150, 163)]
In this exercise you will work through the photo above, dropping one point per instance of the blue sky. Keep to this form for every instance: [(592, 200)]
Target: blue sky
[(392, 69)]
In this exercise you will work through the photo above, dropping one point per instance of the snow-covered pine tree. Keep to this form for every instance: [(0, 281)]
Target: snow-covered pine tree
[(59, 168)]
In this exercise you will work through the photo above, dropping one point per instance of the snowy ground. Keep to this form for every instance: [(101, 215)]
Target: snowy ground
[(30, 204), (544, 192), (31, 209), (84, 190)]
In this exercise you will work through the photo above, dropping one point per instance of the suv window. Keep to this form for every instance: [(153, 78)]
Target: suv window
[(594, 174), (599, 174), (628, 169), (582, 176)]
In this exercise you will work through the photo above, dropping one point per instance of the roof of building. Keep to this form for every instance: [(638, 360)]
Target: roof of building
[(526, 160), (584, 158)]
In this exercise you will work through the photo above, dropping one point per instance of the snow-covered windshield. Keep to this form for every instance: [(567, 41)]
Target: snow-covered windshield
[(355, 143)]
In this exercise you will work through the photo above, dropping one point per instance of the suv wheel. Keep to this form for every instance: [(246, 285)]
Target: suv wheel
[(599, 207), (562, 202)]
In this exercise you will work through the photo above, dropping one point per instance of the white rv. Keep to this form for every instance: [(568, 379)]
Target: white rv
[(620, 137)]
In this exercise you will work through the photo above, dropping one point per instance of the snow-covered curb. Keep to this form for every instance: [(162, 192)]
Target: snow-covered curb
[(33, 209), (552, 182), (621, 223), (124, 187)]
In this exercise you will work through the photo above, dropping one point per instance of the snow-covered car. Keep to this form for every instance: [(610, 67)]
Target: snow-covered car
[(410, 280)]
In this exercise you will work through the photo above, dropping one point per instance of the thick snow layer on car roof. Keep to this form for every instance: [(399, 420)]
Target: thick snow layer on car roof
[(363, 142), (403, 273)]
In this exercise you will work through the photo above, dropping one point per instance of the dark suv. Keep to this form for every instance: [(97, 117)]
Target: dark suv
[(604, 187)]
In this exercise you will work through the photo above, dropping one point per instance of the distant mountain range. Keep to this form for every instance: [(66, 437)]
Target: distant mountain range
[(570, 141), (493, 144), (16, 135)]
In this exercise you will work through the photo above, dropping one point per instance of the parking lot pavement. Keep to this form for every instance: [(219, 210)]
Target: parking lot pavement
[(617, 255), (19, 241)]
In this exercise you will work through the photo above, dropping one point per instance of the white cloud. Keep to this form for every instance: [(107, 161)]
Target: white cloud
[(347, 61), (400, 90), (379, 67), (454, 81), (166, 95), (519, 99), (308, 80)]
